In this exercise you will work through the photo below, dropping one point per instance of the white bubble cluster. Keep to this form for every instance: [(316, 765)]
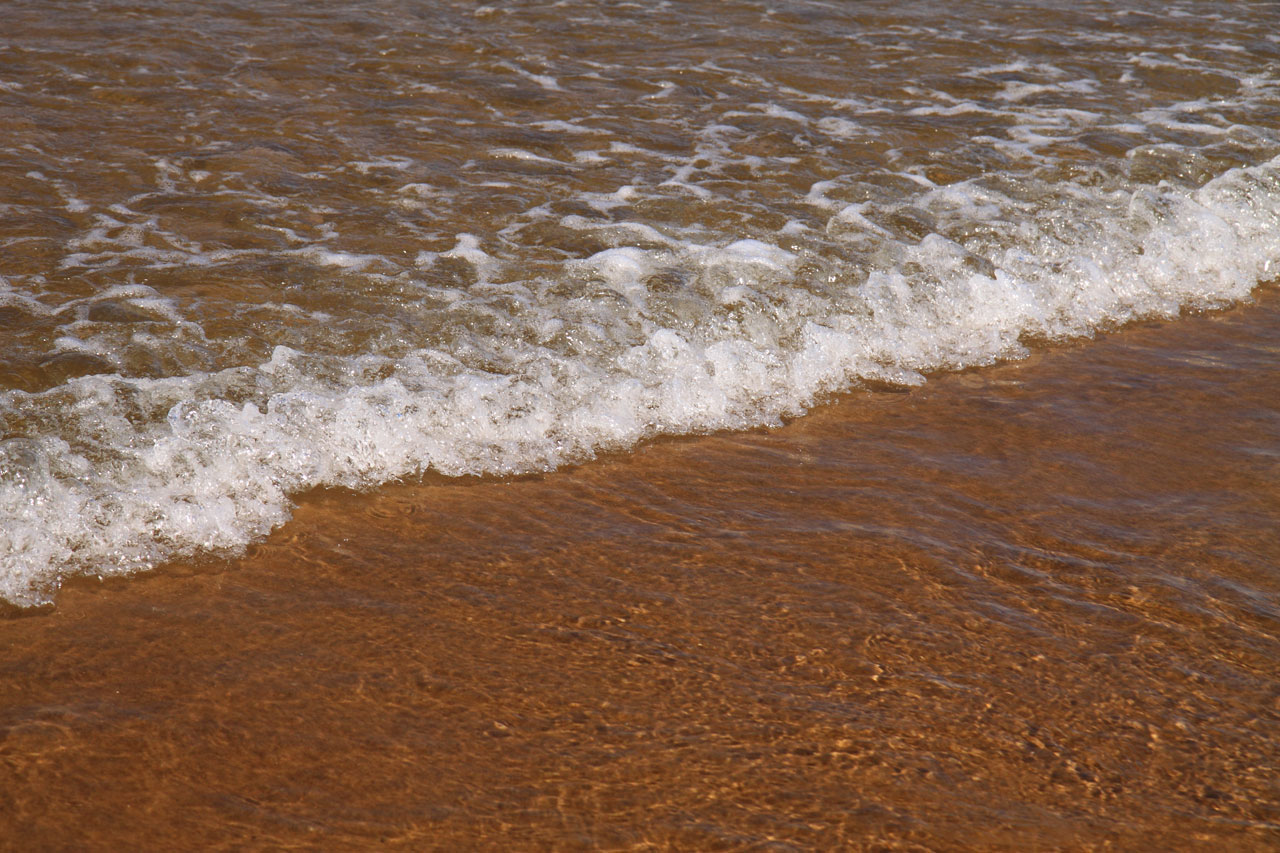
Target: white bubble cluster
[(115, 474)]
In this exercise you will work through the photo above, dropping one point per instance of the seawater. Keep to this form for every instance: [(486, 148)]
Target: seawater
[(247, 250)]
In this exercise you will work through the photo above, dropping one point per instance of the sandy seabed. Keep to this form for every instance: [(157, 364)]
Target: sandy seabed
[(1029, 607)]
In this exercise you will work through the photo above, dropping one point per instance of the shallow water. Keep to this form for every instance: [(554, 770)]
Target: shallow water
[(253, 249), (700, 426), (1006, 611)]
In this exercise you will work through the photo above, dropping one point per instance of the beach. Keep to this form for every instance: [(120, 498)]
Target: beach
[(1007, 611), (735, 425)]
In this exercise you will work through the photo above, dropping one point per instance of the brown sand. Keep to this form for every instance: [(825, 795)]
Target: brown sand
[(1029, 607)]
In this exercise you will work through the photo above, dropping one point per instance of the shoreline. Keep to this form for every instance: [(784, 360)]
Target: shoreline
[(1020, 606)]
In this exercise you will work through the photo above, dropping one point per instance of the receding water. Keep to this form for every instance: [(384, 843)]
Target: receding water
[(250, 249)]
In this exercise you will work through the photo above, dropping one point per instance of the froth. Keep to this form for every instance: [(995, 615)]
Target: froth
[(116, 474)]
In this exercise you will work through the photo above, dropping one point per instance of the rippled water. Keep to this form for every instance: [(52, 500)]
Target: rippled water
[(251, 249)]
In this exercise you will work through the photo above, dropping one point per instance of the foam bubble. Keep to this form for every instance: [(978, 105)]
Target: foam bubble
[(109, 491)]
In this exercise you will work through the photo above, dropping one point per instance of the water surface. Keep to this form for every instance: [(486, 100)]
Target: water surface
[(252, 249)]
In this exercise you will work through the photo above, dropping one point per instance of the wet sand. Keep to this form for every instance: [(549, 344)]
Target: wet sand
[(1028, 607)]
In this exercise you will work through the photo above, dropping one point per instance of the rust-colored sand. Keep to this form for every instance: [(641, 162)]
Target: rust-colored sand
[(1029, 607)]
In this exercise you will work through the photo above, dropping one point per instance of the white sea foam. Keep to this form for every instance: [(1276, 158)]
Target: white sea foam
[(742, 337)]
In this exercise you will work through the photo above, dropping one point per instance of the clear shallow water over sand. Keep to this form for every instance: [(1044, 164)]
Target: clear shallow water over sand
[(253, 249), (1005, 611)]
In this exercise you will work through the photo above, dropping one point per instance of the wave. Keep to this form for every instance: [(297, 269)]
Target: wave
[(111, 474)]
